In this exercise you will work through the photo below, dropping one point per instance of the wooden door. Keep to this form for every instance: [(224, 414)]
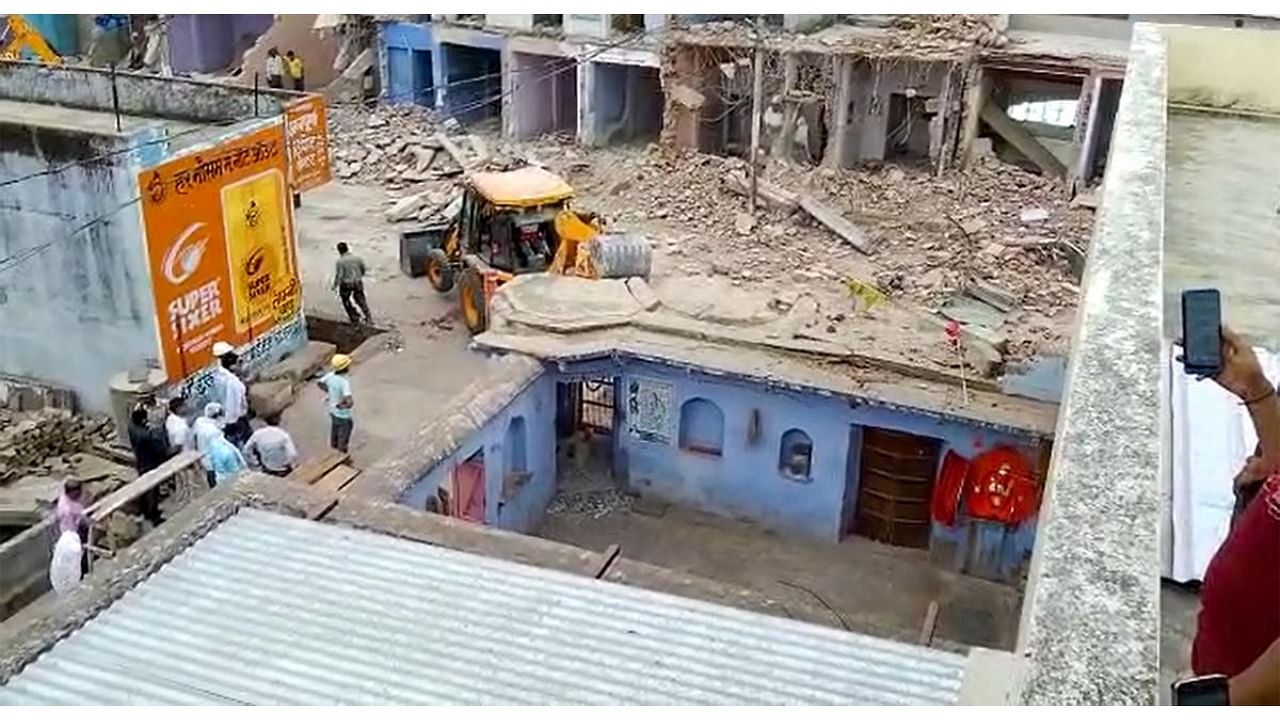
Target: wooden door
[(894, 487)]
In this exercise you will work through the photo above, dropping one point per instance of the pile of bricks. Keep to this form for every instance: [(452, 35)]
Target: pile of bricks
[(35, 442)]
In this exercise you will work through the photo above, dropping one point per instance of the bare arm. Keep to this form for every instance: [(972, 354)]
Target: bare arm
[(1259, 684), (1242, 376)]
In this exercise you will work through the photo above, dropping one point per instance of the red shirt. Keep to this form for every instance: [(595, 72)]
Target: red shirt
[(1240, 597)]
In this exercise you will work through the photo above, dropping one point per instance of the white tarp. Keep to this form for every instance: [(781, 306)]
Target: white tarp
[(1212, 437)]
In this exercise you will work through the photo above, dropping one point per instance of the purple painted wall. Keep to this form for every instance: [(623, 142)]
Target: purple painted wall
[(204, 43)]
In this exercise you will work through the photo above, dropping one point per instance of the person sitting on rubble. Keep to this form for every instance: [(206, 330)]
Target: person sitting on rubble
[(271, 449), (1237, 641)]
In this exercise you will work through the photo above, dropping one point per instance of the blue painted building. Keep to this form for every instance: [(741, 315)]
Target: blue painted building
[(406, 63), (517, 447), (796, 460)]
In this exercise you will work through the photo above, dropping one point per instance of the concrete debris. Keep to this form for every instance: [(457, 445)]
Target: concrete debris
[(992, 295), (1032, 216), (393, 145), (773, 196), (407, 208), (932, 234), (33, 442), (687, 96), (835, 222), (270, 398), (593, 503)]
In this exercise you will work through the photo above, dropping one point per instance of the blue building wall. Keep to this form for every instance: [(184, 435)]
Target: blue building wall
[(745, 480), (406, 63), (524, 508)]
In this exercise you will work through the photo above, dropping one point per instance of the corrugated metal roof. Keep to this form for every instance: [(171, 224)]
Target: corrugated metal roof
[(270, 609)]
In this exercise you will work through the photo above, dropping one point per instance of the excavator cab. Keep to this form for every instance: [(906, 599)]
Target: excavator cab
[(512, 223)]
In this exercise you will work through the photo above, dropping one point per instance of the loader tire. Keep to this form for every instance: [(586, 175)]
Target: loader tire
[(439, 271), (475, 312)]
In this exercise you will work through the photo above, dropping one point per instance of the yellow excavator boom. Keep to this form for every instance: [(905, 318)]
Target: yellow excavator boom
[(19, 34)]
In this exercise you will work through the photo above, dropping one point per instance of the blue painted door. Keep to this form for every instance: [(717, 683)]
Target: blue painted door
[(424, 93)]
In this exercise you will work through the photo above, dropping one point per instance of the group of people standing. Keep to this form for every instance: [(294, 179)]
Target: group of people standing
[(278, 67), (222, 434)]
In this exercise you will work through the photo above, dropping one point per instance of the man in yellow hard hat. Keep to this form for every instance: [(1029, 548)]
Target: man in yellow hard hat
[(338, 388)]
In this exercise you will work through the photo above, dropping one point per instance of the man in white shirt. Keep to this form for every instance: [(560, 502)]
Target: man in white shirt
[(275, 69), (271, 449), (175, 424), (203, 432), (230, 392)]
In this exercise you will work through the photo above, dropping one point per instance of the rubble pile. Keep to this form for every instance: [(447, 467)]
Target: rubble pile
[(37, 442), (937, 37), (392, 145)]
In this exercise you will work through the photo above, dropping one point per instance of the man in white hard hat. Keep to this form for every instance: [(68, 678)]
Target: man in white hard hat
[(230, 392), (338, 388)]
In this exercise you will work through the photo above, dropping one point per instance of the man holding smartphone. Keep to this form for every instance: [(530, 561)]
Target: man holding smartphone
[(1236, 652)]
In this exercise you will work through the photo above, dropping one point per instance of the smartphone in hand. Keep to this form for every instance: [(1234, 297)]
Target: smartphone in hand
[(1202, 332)]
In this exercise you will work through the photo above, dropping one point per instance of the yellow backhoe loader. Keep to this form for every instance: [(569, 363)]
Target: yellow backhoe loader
[(519, 221)]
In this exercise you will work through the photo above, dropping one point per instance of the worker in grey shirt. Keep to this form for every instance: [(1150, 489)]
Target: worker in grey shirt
[(271, 448), (348, 280)]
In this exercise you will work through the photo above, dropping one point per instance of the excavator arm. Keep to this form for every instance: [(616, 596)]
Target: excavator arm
[(19, 34)]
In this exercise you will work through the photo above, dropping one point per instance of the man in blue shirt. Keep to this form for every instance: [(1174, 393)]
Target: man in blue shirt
[(338, 388)]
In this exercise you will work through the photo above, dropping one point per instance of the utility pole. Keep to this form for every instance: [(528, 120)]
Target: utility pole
[(757, 89)]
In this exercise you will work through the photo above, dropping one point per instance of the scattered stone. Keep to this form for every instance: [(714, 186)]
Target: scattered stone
[(784, 300), (992, 295), (744, 223), (721, 267), (973, 225), (1031, 216)]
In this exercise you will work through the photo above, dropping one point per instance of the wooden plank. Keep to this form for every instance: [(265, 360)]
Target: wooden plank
[(610, 554), (317, 467), (836, 223), (930, 624), (336, 479), (1024, 141)]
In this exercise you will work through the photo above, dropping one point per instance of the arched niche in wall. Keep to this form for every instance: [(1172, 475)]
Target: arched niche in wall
[(795, 455), (515, 457), (701, 427)]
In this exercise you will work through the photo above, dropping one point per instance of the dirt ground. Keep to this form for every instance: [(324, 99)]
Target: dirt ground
[(415, 367)]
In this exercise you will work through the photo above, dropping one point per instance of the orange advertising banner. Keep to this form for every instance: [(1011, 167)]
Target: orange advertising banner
[(308, 137), (220, 247)]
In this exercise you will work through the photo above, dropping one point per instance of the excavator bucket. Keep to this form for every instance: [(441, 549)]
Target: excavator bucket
[(587, 252)]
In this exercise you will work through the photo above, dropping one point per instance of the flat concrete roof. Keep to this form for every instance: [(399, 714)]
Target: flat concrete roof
[(96, 122)]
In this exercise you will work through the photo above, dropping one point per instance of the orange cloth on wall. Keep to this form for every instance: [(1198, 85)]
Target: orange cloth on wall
[(948, 489), (1002, 487)]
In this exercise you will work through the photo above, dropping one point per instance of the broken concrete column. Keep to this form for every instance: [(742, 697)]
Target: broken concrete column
[(838, 146), (785, 137)]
